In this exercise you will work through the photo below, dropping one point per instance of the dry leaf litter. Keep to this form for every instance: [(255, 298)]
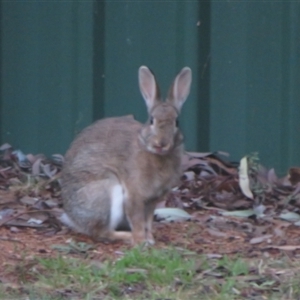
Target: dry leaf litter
[(218, 208)]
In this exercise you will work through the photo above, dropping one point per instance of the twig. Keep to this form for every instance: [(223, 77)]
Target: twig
[(22, 213)]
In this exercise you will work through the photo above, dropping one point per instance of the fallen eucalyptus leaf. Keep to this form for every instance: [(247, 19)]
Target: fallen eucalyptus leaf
[(26, 200), (272, 177), (5, 147), (286, 247), (58, 158), (214, 255), (47, 170), (35, 221), (199, 154), (171, 214), (6, 213), (260, 239), (14, 229), (239, 213), (264, 286), (20, 155), (52, 203), (216, 233), (35, 169), (244, 181), (290, 216)]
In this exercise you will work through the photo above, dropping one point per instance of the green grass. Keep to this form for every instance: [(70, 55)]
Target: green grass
[(155, 274), (138, 270), (140, 273)]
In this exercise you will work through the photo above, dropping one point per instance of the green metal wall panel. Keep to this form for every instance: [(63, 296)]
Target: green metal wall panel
[(161, 35), (46, 69), (255, 72), (67, 63), (64, 64)]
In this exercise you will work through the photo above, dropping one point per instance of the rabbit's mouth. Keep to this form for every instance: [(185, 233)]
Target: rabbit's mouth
[(154, 144), (160, 150)]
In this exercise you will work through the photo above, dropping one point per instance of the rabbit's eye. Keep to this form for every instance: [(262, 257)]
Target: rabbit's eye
[(177, 123), (151, 120)]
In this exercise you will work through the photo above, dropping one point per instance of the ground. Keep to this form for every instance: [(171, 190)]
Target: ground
[(204, 235), (240, 248)]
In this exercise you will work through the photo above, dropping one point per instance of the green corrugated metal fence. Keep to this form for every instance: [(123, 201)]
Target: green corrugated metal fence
[(255, 80), (64, 64)]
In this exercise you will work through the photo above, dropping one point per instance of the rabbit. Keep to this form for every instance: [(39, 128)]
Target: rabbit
[(117, 169)]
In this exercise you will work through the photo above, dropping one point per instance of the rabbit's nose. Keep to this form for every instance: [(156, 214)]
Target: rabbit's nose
[(161, 144)]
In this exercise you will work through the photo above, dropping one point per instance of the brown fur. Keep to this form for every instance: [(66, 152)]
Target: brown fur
[(144, 159)]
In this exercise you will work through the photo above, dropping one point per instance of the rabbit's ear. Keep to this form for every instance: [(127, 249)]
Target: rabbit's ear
[(148, 87), (180, 89)]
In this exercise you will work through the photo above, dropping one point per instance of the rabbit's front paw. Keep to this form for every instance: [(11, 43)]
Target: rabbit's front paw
[(142, 239), (149, 238), (139, 238)]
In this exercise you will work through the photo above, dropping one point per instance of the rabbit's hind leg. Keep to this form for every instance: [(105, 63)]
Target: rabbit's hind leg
[(117, 214), (97, 208), (103, 207)]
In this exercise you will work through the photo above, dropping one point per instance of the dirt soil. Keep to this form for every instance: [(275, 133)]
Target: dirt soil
[(30, 200), (202, 235)]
